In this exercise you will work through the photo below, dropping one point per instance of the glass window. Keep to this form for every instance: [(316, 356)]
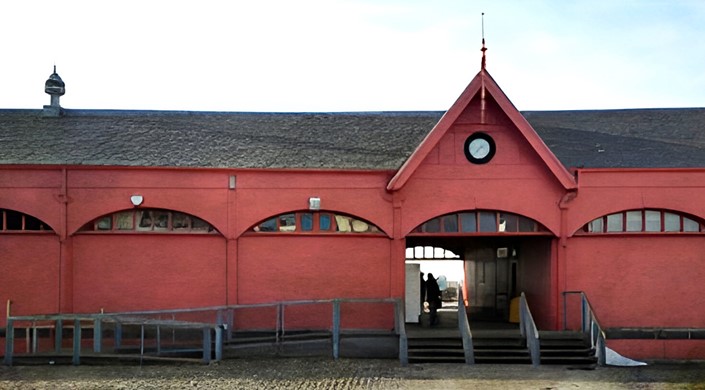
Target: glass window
[(180, 221), (13, 220), (324, 222), (488, 221), (508, 222), (690, 226), (269, 225), (145, 220), (450, 223), (468, 222), (307, 222), (201, 225), (161, 220), (652, 221), (103, 223), (287, 223), (526, 224), (615, 223), (596, 226), (359, 226), (433, 226), (124, 220), (634, 221), (343, 223), (671, 222)]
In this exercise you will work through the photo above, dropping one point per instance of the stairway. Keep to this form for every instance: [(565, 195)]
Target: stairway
[(500, 347), (567, 348), (440, 349)]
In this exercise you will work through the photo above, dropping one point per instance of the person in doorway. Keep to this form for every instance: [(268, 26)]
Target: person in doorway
[(433, 296)]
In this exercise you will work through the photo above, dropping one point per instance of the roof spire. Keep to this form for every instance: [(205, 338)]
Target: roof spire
[(484, 49)]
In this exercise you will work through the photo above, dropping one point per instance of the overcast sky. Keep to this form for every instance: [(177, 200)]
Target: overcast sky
[(351, 55)]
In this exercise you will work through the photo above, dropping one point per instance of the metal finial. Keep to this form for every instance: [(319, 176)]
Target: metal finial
[(484, 49)]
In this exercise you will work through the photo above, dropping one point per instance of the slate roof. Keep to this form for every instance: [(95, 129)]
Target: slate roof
[(366, 140)]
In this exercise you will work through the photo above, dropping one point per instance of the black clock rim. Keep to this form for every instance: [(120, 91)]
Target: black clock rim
[(484, 136)]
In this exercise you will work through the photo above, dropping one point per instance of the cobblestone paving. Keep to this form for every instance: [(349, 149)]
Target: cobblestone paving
[(344, 374)]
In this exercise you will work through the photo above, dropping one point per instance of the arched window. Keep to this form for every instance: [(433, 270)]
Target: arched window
[(304, 222), (644, 221), (15, 221), (148, 221), (479, 222)]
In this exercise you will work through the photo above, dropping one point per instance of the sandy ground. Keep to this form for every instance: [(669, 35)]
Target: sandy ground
[(321, 373)]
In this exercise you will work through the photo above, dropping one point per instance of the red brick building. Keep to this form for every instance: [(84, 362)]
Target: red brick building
[(137, 210)]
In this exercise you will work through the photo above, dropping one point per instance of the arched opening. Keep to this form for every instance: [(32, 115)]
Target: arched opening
[(501, 255)]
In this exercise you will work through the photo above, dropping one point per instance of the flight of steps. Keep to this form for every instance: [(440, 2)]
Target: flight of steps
[(447, 349), (566, 348)]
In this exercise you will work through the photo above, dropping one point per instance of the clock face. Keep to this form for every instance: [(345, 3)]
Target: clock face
[(479, 148)]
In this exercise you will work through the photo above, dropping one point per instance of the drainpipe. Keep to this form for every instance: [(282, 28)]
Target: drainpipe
[(561, 272)]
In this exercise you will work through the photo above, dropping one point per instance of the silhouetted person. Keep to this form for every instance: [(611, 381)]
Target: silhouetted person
[(433, 296)]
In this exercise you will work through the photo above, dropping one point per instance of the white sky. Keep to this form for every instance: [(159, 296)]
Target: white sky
[(351, 55)]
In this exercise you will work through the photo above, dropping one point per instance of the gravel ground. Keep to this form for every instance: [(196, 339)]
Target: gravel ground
[(320, 373)]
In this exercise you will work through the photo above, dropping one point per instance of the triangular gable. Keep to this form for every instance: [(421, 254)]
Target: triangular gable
[(482, 79)]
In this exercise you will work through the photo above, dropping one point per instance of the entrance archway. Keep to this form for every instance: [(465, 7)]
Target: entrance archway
[(502, 255)]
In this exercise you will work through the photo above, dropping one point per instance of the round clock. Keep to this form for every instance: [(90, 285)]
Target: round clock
[(479, 148)]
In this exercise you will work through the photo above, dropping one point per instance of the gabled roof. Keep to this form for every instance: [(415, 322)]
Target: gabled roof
[(635, 138), (481, 81)]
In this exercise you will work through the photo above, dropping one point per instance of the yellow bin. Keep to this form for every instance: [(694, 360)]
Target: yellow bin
[(514, 310)]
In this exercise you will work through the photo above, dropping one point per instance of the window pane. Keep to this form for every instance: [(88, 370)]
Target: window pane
[(161, 220), (433, 226), (124, 221), (526, 224), (634, 221), (307, 222), (450, 223), (468, 222), (671, 222), (145, 220), (269, 225), (508, 222), (103, 223), (287, 223), (653, 221), (596, 226), (13, 220), (690, 226), (359, 226), (180, 221), (324, 222), (199, 224), (615, 223), (488, 221), (31, 223)]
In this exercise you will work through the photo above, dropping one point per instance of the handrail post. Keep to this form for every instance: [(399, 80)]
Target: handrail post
[(97, 335), (218, 343), (401, 329), (530, 331), (76, 342), (9, 341), (206, 345), (58, 335), (336, 328)]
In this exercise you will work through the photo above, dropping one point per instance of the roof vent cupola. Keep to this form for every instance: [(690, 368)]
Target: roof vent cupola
[(55, 87)]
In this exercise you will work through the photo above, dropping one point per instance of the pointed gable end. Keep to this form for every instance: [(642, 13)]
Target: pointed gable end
[(471, 106)]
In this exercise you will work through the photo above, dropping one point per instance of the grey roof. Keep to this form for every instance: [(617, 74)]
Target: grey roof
[(367, 140)]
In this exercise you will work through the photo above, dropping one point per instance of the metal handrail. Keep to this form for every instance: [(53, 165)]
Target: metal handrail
[(224, 320), (464, 328), (589, 325), (529, 331)]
